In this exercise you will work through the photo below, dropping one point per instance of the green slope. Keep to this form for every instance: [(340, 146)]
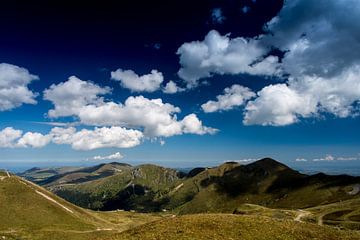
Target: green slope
[(31, 212)]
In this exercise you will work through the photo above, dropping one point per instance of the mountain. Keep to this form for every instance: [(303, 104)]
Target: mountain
[(149, 188), (28, 211), (140, 188)]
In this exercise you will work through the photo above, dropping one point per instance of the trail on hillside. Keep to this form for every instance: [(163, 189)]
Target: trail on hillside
[(7, 176), (53, 200), (32, 186), (301, 215)]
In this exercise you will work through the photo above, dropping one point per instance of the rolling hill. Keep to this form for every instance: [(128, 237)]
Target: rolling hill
[(31, 212), (222, 189)]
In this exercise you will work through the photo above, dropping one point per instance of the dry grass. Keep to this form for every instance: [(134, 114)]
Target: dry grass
[(228, 226)]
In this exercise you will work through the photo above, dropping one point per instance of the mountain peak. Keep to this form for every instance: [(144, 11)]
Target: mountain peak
[(268, 164)]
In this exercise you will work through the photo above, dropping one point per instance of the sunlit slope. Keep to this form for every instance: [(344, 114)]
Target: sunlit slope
[(31, 212), (226, 226), (220, 189), (140, 188), (265, 182)]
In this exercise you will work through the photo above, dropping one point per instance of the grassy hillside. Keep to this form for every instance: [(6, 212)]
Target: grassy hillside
[(140, 188), (226, 226), (222, 189), (30, 212), (265, 182)]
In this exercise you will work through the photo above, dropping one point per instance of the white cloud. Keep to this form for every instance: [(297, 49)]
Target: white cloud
[(347, 158), (171, 87), (152, 116), (244, 161), (328, 157), (13, 138), (68, 97), (35, 140), (14, 89), (320, 61), (234, 96), (277, 105), (8, 137), (217, 16), (79, 140), (324, 69), (301, 160), (115, 156), (191, 124), (145, 83), (283, 104), (223, 55), (98, 138)]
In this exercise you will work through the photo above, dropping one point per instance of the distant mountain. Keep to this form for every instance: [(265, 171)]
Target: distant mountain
[(28, 211), (149, 188)]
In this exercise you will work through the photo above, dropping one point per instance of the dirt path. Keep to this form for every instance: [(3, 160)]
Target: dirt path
[(7, 176), (34, 186), (320, 220), (301, 215), (54, 201)]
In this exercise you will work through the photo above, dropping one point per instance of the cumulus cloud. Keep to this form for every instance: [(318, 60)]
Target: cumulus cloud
[(35, 140), (14, 89), (8, 137), (171, 87), (68, 97), (154, 117), (145, 83), (224, 55), (217, 16), (320, 63), (234, 96), (104, 137), (283, 104), (13, 138), (115, 156), (84, 139), (323, 76)]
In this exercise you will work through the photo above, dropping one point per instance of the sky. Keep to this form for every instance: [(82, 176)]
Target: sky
[(180, 83)]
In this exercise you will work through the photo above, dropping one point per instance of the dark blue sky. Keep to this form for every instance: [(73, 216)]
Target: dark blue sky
[(58, 39)]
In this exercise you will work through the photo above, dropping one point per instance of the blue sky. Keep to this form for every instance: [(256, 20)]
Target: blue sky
[(277, 80)]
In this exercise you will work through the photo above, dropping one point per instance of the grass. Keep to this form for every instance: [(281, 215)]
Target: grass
[(225, 226), (25, 214), (344, 214)]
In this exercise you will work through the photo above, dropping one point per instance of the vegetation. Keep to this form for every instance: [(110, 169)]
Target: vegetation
[(30, 212), (226, 226), (262, 200)]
